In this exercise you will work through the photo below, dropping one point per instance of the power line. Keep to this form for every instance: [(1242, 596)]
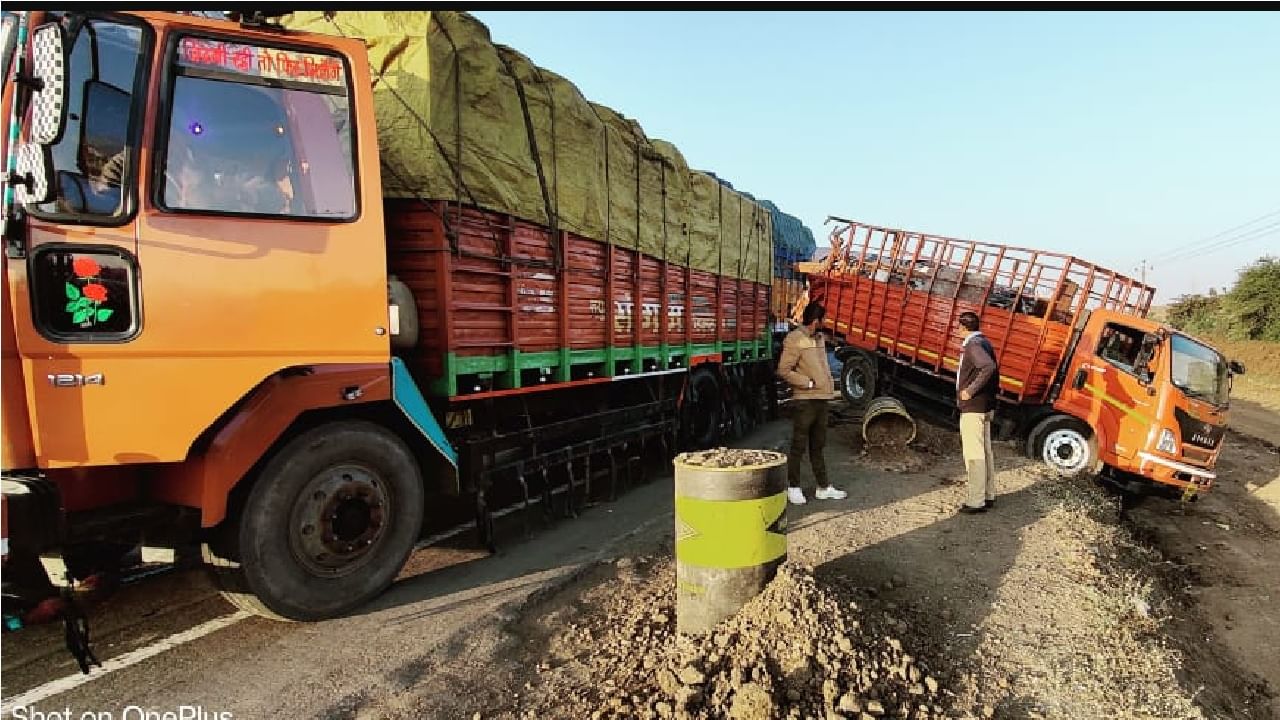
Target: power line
[(1238, 241), (1197, 244), (1255, 234), (1226, 242)]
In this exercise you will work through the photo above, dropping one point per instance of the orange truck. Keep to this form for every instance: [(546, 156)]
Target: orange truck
[(237, 313), (1086, 379)]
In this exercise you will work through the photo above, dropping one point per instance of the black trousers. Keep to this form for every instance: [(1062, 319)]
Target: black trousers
[(808, 432)]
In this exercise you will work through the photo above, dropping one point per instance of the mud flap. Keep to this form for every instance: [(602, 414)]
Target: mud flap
[(410, 401)]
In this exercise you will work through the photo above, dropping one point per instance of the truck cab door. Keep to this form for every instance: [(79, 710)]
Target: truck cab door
[(73, 274), (1108, 385)]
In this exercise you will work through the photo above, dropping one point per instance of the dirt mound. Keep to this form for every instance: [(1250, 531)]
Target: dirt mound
[(796, 650), (930, 443), (890, 431), (722, 457)]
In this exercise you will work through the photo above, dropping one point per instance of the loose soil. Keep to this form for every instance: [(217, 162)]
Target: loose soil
[(1055, 604), (890, 430), (729, 457)]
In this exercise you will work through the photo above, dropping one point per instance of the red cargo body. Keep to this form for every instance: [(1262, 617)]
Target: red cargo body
[(500, 296), (899, 292)]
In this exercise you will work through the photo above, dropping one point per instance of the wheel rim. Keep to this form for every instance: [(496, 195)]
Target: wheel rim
[(855, 382), (1066, 450), (338, 520)]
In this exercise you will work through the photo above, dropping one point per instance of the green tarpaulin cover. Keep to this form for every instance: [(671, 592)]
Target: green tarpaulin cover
[(461, 118)]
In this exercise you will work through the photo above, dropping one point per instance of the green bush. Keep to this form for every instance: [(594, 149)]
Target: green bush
[(1253, 305), (1195, 313), (1250, 310)]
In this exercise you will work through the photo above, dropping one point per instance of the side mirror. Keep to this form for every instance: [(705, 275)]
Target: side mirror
[(1081, 376), (1236, 367), (1144, 375), (34, 182), (104, 129), (49, 100), (71, 188)]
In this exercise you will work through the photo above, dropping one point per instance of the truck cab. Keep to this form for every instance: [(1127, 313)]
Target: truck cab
[(195, 276), (1155, 398)]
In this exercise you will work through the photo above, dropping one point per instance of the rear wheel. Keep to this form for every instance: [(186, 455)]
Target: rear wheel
[(703, 409), (327, 526), (858, 380), (1067, 445)]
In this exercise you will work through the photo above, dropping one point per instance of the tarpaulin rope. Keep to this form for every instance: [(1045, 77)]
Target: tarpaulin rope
[(458, 183), (537, 159)]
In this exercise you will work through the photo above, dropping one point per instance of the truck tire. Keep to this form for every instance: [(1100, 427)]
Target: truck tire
[(1067, 445), (703, 409), (327, 526), (858, 379)]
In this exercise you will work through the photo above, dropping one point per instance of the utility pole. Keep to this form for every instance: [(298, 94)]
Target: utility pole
[(1142, 269)]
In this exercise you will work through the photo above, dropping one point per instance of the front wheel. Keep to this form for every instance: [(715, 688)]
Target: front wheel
[(328, 524), (1067, 445)]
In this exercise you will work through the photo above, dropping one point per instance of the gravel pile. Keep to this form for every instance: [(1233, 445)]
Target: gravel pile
[(890, 431), (795, 651), (931, 443), (729, 457)]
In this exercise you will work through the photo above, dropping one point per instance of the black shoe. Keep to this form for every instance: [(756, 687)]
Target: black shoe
[(972, 510), (990, 504)]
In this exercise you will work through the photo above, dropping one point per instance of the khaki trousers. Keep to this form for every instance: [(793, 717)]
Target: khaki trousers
[(979, 461)]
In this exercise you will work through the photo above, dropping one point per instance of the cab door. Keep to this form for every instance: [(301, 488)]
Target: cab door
[(261, 227), (1108, 385), (74, 281)]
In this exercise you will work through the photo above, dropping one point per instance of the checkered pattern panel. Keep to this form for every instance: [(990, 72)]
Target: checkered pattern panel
[(47, 63), (34, 162)]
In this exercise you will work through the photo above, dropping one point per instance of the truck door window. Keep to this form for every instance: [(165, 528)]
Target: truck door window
[(258, 131), (1121, 346), (84, 293), (92, 162)]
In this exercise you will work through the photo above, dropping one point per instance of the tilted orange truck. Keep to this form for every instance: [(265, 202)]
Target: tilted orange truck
[(283, 291), (1086, 379)]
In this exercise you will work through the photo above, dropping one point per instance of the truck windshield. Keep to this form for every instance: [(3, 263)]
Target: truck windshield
[(1199, 371), (258, 130)]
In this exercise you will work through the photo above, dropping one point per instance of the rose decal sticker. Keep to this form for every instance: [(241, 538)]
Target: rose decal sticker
[(85, 303)]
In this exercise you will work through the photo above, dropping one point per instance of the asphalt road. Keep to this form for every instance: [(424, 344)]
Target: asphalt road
[(255, 668)]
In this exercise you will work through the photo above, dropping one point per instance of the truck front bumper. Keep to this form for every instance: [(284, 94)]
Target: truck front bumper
[(1172, 472)]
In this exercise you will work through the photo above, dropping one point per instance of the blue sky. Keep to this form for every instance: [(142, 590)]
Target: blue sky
[(1114, 136)]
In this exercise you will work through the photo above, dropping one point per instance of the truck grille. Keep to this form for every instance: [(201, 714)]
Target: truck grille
[(1196, 455), (1197, 433)]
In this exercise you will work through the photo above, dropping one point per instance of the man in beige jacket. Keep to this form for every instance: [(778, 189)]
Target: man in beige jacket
[(804, 366)]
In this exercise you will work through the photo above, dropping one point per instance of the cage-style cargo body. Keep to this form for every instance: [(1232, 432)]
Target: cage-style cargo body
[(899, 293)]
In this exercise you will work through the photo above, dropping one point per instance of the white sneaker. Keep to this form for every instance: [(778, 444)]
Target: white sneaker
[(796, 496), (831, 492)]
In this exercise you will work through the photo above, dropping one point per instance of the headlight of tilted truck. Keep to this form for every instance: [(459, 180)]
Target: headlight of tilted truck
[(1168, 443)]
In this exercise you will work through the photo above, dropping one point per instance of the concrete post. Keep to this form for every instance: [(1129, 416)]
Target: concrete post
[(731, 526)]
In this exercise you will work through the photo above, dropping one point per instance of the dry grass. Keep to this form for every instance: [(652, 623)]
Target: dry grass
[(1260, 358)]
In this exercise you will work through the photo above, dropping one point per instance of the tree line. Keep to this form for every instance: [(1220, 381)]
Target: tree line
[(1250, 310)]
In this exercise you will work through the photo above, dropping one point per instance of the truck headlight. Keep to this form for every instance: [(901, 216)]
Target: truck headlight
[(1168, 443)]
